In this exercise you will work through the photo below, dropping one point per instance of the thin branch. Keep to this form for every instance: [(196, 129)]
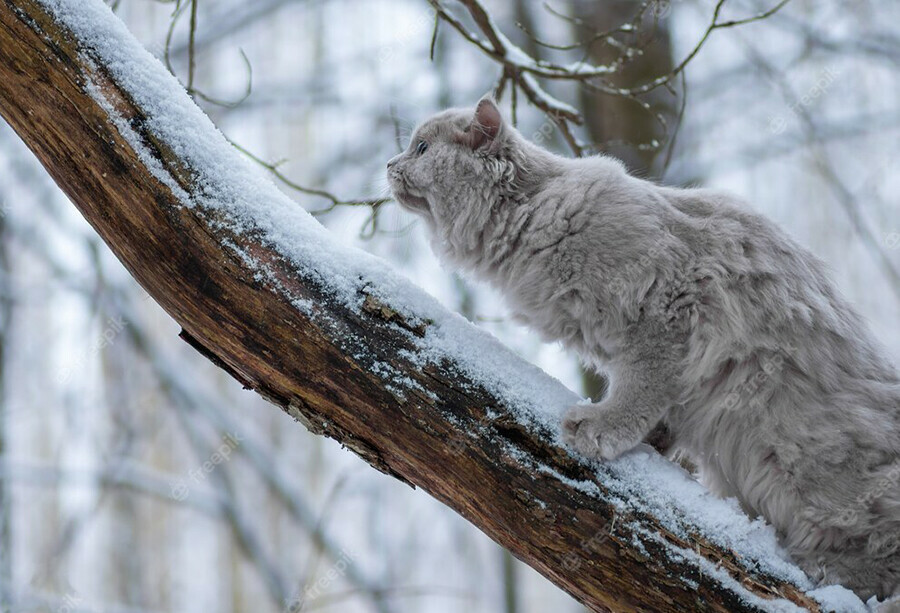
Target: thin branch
[(499, 48), (335, 201), (434, 35), (678, 123), (191, 56), (180, 9), (715, 25), (523, 70), (225, 103), (176, 13)]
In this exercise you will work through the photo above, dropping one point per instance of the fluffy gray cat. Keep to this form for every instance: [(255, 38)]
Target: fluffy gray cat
[(713, 324)]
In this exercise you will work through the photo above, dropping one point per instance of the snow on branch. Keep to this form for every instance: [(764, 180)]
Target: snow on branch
[(351, 348)]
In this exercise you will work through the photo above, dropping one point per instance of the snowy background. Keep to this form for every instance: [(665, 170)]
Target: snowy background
[(138, 477)]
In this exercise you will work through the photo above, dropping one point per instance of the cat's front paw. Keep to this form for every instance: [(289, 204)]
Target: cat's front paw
[(591, 431)]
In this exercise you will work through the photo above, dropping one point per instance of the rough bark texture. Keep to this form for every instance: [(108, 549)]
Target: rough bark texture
[(450, 442)]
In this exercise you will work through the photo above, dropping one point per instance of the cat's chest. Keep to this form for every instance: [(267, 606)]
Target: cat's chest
[(562, 316), (545, 275)]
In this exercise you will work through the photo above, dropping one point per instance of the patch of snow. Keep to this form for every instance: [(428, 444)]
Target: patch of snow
[(681, 554), (556, 105), (838, 599), (652, 484)]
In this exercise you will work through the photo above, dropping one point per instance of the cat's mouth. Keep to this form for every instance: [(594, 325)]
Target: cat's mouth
[(410, 201), (405, 197)]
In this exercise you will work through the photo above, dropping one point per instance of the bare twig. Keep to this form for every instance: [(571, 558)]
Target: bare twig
[(715, 25), (192, 62), (434, 35), (180, 8), (522, 70), (678, 123), (369, 228)]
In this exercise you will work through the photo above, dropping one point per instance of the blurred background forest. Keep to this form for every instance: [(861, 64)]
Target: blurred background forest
[(135, 476)]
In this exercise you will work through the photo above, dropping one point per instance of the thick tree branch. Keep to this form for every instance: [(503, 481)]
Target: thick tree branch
[(352, 351)]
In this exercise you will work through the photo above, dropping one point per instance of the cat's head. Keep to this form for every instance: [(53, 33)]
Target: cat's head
[(456, 158)]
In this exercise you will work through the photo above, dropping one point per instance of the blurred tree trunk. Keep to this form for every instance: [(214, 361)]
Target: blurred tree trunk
[(617, 125), (457, 440), (6, 305), (510, 583), (130, 550)]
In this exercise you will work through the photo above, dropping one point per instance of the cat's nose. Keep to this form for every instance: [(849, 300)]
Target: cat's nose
[(392, 161)]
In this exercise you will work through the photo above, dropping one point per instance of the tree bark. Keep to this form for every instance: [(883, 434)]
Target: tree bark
[(452, 440)]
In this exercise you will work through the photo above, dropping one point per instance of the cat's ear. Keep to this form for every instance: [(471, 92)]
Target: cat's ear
[(487, 123)]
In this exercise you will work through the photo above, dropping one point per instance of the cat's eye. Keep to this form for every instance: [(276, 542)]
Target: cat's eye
[(421, 147)]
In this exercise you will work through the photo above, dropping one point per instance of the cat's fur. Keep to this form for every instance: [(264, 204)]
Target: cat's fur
[(710, 320)]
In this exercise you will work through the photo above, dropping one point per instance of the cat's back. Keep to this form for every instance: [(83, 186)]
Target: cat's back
[(763, 291)]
